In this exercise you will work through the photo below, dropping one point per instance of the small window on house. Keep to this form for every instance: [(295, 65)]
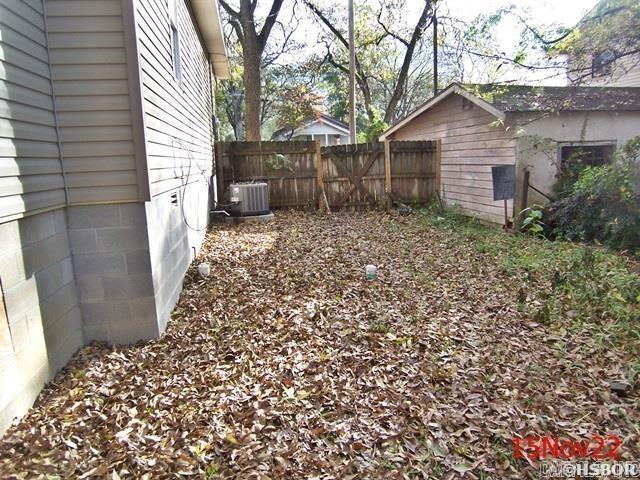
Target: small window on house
[(175, 52), (466, 104), (175, 40), (592, 155), (601, 63)]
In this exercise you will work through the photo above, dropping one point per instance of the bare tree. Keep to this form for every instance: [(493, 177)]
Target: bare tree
[(363, 78)]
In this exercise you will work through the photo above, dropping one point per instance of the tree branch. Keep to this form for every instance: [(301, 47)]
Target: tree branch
[(229, 9), (268, 24), (390, 33), (401, 83)]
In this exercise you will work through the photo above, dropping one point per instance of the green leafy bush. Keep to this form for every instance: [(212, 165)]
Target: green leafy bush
[(603, 205), (532, 222), (568, 178)]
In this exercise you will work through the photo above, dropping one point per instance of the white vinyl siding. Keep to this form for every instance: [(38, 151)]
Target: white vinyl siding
[(88, 58), (178, 115), (471, 145), (30, 170), (624, 72)]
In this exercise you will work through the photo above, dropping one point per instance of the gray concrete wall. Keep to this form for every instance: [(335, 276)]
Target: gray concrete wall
[(40, 319), (176, 224), (110, 247), (130, 260), (98, 272)]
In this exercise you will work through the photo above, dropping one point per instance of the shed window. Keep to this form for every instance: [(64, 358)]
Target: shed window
[(586, 154), (466, 104), (601, 63)]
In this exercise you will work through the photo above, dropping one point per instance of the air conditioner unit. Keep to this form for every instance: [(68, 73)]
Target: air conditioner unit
[(249, 198)]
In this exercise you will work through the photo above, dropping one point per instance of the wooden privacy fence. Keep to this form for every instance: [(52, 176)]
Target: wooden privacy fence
[(306, 175)]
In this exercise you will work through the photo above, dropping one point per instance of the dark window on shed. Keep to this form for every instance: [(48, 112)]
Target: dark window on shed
[(466, 104), (601, 63), (586, 154)]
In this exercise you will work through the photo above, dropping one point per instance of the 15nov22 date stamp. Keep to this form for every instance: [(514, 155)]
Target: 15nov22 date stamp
[(594, 457), (542, 447)]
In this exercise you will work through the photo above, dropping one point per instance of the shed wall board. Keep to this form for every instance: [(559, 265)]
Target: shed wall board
[(471, 144)]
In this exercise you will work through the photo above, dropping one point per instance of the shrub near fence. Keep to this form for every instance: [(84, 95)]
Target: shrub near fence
[(305, 175)]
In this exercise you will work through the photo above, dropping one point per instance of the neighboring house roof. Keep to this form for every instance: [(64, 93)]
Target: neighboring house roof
[(208, 19), (332, 121), (322, 118), (502, 99)]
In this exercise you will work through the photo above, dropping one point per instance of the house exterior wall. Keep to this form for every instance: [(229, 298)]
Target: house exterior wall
[(178, 114), (540, 136), (88, 254), (40, 318), (110, 247), (471, 145), (176, 227), (324, 132), (178, 117), (324, 139), (31, 177), (625, 72), (92, 99)]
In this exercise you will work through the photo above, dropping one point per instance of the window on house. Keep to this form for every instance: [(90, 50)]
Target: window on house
[(601, 63), (175, 40), (586, 154), (466, 104), (175, 52)]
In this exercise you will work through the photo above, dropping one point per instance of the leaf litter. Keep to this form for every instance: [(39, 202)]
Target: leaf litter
[(287, 363)]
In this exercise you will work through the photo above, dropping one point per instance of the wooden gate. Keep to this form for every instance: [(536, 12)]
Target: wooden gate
[(303, 174)]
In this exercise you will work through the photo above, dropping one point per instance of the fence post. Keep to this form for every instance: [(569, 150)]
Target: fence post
[(439, 170), (387, 174), (521, 200), (319, 175), (220, 172)]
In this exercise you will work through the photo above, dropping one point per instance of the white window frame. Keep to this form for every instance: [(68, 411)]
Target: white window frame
[(174, 32)]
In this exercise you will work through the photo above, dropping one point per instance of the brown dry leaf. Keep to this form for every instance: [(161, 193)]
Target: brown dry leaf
[(287, 363)]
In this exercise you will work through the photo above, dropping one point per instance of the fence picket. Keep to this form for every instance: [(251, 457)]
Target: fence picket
[(305, 175)]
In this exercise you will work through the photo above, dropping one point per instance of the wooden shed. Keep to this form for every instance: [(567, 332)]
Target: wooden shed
[(534, 128)]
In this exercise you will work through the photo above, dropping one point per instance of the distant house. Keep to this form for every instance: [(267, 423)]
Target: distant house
[(534, 128), (595, 65), (327, 130), (601, 70), (106, 137)]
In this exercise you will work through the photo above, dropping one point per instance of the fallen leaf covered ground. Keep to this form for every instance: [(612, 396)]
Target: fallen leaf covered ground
[(287, 363)]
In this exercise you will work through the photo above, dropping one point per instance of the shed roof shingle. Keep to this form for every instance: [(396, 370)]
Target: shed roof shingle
[(527, 98)]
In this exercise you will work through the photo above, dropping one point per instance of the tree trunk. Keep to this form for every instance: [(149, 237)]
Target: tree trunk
[(253, 45), (252, 91)]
